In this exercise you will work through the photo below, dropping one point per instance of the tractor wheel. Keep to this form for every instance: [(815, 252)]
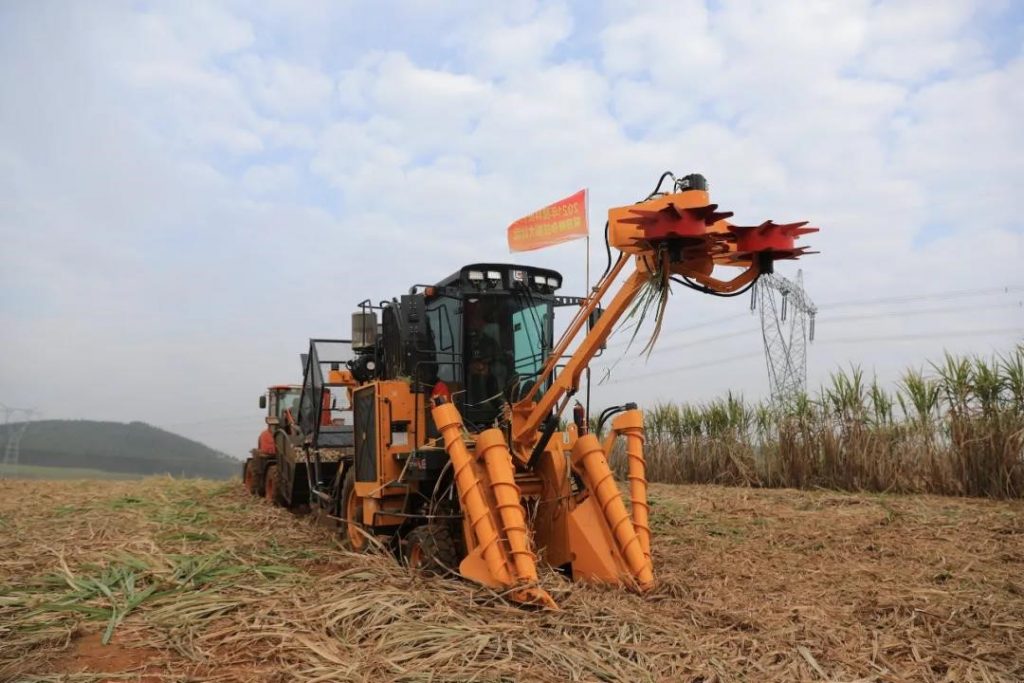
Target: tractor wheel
[(353, 533), (251, 485), (431, 549), (270, 485)]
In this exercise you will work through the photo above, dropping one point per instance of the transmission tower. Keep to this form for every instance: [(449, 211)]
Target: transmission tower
[(13, 434), (787, 324)]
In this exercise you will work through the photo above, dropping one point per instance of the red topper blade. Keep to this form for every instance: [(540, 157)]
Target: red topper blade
[(777, 239), (672, 222)]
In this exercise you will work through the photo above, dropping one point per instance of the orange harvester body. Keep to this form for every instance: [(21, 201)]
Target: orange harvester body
[(676, 234), (456, 449)]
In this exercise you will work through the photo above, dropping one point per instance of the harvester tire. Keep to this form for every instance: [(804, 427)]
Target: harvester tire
[(270, 485), (251, 485), (353, 533), (431, 549)]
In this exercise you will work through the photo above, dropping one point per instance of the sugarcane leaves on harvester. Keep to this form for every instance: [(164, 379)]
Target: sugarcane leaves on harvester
[(651, 300)]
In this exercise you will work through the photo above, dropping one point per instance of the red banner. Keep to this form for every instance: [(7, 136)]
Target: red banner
[(562, 221)]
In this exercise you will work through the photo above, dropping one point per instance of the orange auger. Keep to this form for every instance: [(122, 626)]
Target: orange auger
[(474, 506), (589, 460), (492, 449), (495, 569), (631, 425)]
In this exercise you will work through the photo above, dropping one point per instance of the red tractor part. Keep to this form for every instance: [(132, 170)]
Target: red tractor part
[(673, 222), (770, 237)]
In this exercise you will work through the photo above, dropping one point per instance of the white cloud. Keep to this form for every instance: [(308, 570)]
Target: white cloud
[(283, 88), (501, 40), (191, 192), (426, 110), (915, 39), (271, 179), (674, 42), (962, 139)]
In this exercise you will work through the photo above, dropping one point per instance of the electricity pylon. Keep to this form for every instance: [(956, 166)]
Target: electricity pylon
[(13, 434), (787, 324)]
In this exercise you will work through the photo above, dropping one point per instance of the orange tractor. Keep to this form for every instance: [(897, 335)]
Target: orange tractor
[(279, 402), (277, 467), (457, 460)]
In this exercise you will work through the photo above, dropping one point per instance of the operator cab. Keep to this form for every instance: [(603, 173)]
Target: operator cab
[(505, 312), (480, 336), (283, 398)]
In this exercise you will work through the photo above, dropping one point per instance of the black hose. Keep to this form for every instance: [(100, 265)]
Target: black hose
[(608, 253), (661, 180), (549, 429), (686, 282), (607, 244), (606, 415)]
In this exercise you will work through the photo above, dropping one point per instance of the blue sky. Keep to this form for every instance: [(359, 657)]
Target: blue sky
[(189, 191)]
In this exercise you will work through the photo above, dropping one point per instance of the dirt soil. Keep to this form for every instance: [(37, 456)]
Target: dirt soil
[(166, 580), (88, 655)]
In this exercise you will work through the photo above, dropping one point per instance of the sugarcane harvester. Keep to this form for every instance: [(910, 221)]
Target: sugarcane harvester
[(458, 389)]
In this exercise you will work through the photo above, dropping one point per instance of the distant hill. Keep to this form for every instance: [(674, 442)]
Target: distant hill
[(132, 448)]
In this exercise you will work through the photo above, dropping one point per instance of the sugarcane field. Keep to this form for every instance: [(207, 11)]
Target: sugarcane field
[(170, 579), (537, 341), (173, 580)]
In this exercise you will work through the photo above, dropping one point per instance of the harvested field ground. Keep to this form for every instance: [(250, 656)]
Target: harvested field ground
[(196, 581)]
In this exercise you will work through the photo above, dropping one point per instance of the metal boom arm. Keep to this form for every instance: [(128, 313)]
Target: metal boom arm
[(667, 235)]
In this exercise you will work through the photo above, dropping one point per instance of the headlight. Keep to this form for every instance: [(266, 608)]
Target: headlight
[(554, 282), (475, 275), (493, 275)]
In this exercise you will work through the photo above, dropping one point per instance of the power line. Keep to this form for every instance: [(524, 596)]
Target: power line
[(954, 294), (697, 342), (842, 319), (926, 311), (690, 328), (951, 294), (847, 340), (681, 368), (703, 340), (927, 335)]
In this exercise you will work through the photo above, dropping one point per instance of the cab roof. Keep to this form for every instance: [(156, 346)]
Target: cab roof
[(459, 277)]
